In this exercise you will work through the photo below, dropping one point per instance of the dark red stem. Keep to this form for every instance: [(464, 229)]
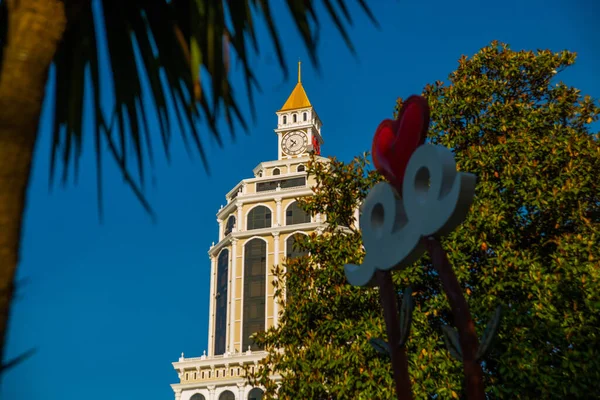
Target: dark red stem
[(388, 298), (462, 319)]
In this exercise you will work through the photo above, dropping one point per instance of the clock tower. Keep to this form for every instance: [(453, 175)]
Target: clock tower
[(258, 229), (298, 125)]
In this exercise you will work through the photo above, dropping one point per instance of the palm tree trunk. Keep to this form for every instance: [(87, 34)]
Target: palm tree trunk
[(35, 28)]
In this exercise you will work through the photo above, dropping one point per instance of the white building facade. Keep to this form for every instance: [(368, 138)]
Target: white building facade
[(257, 230)]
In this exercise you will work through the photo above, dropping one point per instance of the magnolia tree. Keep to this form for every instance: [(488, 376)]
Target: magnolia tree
[(530, 243)]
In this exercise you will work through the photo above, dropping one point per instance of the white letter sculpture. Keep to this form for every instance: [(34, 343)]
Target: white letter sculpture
[(435, 200)]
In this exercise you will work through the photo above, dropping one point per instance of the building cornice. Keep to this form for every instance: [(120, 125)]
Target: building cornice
[(281, 230), (218, 361), (180, 387), (264, 196), (284, 162)]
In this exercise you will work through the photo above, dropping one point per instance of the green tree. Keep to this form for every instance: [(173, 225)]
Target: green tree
[(165, 40), (529, 243)]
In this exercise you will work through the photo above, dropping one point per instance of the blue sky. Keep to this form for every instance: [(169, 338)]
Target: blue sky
[(109, 306)]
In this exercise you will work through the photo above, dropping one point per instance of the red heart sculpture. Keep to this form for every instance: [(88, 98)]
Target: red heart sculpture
[(395, 141)]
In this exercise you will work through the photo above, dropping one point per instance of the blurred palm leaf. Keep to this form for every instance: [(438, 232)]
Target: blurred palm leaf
[(168, 42)]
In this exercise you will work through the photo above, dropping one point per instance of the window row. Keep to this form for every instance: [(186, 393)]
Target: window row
[(254, 394), (299, 168), (281, 183), (295, 117), (261, 217), (255, 274), (215, 373)]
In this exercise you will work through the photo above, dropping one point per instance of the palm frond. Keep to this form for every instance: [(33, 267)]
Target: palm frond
[(167, 42)]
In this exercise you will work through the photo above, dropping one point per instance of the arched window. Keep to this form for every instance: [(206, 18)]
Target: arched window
[(255, 278), (259, 217), (285, 119), (227, 395), (221, 300), (301, 168), (256, 394), (198, 396), (292, 251), (276, 171), (295, 117), (296, 215), (304, 116), (291, 248), (230, 225)]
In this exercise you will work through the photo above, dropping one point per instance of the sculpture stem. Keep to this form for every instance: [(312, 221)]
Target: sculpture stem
[(462, 318), (388, 298)]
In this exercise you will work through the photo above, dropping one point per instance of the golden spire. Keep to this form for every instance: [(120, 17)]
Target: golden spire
[(298, 97)]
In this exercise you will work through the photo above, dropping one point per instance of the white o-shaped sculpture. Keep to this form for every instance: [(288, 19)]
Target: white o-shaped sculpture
[(436, 199)]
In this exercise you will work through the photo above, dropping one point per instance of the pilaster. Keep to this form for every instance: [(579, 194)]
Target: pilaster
[(232, 291), (211, 392), (278, 211), (211, 311), (275, 263), (220, 222), (240, 218), (242, 390)]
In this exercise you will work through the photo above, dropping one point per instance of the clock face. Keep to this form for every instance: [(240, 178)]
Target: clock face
[(294, 143)]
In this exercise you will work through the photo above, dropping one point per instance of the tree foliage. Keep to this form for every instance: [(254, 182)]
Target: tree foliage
[(529, 243)]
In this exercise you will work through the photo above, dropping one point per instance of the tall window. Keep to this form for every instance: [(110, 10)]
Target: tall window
[(295, 117), (295, 215), (221, 300), (304, 116), (291, 248), (292, 251), (230, 225), (227, 395), (256, 394), (255, 274), (285, 119), (198, 396), (259, 217)]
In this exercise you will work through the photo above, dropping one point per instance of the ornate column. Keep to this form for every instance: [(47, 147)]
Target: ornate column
[(177, 394), (275, 262), (232, 291), (278, 211), (211, 311), (242, 390), (220, 222), (276, 247), (211, 392), (240, 220)]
